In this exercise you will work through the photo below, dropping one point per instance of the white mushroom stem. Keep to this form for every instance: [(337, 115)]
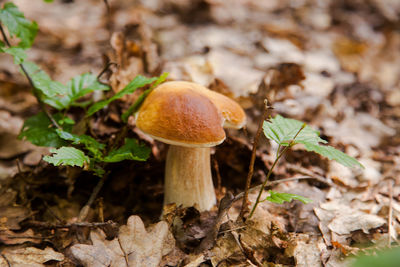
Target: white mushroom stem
[(188, 178)]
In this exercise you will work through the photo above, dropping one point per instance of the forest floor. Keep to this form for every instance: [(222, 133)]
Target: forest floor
[(332, 64)]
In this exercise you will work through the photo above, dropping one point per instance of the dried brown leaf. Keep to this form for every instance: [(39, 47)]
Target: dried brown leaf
[(134, 246), (30, 256)]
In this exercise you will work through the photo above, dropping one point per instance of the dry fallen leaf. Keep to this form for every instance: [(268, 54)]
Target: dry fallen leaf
[(30, 256), (11, 238), (134, 246)]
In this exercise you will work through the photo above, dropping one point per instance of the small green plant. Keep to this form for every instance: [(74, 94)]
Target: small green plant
[(56, 129), (287, 133)]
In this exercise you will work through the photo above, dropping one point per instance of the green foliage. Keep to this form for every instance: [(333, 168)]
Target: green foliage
[(132, 109), (18, 25), (68, 156), (283, 131), (17, 52), (131, 150), (136, 83), (387, 258), (280, 198), (43, 82), (95, 148), (76, 88), (39, 131)]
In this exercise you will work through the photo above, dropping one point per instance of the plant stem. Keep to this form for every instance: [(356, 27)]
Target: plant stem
[(34, 90), (251, 166), (278, 156)]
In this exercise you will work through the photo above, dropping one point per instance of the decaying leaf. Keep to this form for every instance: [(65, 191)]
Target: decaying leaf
[(11, 238), (30, 256), (134, 245)]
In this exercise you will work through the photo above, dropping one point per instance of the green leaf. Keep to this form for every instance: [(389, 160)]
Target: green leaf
[(45, 84), (132, 109), (76, 88), (66, 120), (136, 83), (39, 131), (280, 198), (49, 1), (333, 154), (131, 150), (18, 54), (88, 142), (68, 156), (18, 25), (283, 130)]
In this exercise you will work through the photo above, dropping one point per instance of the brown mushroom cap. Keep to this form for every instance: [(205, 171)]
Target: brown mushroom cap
[(232, 112), (181, 117), (188, 114)]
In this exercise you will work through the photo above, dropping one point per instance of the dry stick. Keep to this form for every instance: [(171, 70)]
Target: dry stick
[(46, 225), (85, 209), (390, 215), (34, 90), (123, 251), (245, 201), (106, 67), (5, 258), (279, 155)]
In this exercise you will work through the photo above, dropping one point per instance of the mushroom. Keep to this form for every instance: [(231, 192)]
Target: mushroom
[(190, 118)]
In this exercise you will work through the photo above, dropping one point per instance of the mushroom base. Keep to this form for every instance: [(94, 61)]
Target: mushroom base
[(188, 178)]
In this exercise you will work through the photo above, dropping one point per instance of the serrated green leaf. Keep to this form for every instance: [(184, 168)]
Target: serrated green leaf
[(67, 156), (283, 130), (39, 131), (132, 109), (88, 142), (280, 198), (18, 25), (42, 81), (131, 150), (18, 54), (136, 83), (76, 88), (333, 154)]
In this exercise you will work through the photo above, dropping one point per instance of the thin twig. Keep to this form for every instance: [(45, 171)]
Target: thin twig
[(5, 258), (279, 155), (34, 90), (245, 201), (123, 251), (106, 67), (390, 215), (46, 225), (52, 212), (85, 210)]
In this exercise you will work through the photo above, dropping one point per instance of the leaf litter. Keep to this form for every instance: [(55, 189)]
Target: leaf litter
[(336, 67)]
